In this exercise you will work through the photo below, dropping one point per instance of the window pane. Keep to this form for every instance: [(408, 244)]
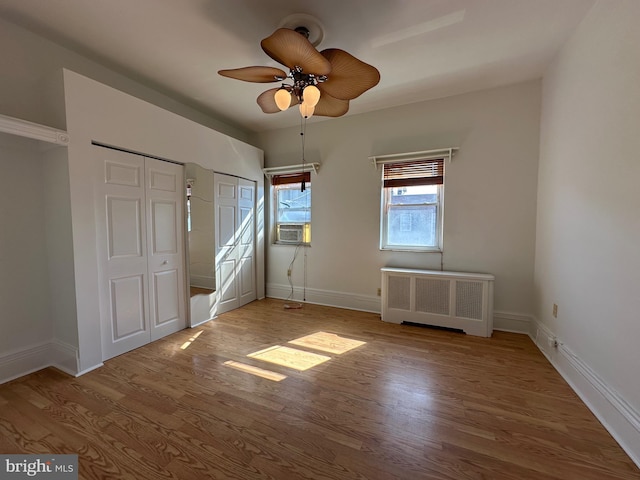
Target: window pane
[(412, 225), (412, 195), (294, 206)]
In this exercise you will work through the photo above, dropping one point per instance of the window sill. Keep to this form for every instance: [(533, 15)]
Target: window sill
[(283, 244), (411, 250)]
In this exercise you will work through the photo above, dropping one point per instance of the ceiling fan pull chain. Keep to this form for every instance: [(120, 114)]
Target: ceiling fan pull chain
[(303, 128)]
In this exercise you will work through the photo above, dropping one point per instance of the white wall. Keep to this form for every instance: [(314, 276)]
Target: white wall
[(29, 61), (24, 283), (96, 112), (490, 195), (59, 245), (588, 228)]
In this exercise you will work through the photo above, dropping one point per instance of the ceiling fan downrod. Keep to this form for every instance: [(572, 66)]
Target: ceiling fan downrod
[(302, 30)]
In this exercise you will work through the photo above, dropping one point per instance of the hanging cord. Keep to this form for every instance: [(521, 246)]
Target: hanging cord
[(303, 127), (289, 272), (304, 285), (303, 131)]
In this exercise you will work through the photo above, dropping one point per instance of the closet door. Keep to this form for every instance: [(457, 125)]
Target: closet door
[(246, 273), (122, 251), (140, 250), (235, 241), (165, 247), (226, 214)]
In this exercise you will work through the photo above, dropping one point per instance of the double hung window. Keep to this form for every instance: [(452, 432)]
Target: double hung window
[(412, 205), (292, 208)]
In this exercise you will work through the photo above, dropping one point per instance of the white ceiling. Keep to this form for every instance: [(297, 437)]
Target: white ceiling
[(424, 49)]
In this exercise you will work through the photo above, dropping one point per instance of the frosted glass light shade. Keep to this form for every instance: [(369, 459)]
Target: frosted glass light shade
[(306, 110), (282, 98), (311, 95)]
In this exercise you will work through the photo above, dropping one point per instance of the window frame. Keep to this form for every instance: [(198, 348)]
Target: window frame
[(290, 182), (395, 180)]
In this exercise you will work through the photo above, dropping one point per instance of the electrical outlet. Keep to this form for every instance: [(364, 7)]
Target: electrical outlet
[(379, 292), (555, 310), (552, 341), (289, 273)]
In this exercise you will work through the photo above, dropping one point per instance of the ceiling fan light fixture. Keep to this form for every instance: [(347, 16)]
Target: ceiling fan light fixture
[(282, 98), (306, 110), (322, 83), (311, 95)]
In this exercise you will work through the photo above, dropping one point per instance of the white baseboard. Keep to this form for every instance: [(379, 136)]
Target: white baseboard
[(90, 369), (350, 301), (24, 361), (64, 357), (620, 419), (511, 322), (18, 363), (202, 281), (507, 322)]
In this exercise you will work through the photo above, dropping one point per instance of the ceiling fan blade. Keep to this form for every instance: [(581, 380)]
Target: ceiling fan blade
[(267, 102), (349, 77), (329, 106), (254, 74), (291, 49)]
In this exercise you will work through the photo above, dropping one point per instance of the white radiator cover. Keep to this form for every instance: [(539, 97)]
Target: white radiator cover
[(445, 299)]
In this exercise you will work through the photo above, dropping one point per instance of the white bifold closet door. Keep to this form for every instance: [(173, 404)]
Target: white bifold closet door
[(235, 223), (140, 230)]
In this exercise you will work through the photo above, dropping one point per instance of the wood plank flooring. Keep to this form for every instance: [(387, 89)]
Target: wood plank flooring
[(409, 403)]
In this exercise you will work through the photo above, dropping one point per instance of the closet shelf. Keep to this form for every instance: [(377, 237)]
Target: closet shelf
[(23, 128)]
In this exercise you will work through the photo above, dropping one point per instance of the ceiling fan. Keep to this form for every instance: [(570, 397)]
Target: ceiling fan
[(322, 83)]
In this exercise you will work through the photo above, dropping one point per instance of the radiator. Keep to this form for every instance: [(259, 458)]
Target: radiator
[(457, 300)]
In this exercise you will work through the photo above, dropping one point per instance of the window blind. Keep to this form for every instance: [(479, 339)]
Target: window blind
[(415, 172), (291, 178)]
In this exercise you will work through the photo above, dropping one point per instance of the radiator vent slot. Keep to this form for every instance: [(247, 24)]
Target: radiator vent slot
[(432, 295), (399, 293), (457, 300), (469, 299)]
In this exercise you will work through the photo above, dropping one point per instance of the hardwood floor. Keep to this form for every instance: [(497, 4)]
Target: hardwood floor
[(193, 291), (408, 403)]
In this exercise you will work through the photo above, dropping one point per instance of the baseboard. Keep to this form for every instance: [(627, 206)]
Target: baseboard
[(350, 301), (620, 419), (202, 281), (511, 322), (64, 357), (503, 321), (23, 361)]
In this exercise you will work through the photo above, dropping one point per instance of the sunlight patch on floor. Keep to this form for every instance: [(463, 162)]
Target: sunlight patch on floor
[(260, 372), (327, 342), (186, 344), (290, 357)]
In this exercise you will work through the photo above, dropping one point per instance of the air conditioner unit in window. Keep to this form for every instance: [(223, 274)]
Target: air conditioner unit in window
[(290, 233)]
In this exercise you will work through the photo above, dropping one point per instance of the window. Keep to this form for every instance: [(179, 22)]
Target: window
[(292, 208), (189, 186), (412, 205)]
